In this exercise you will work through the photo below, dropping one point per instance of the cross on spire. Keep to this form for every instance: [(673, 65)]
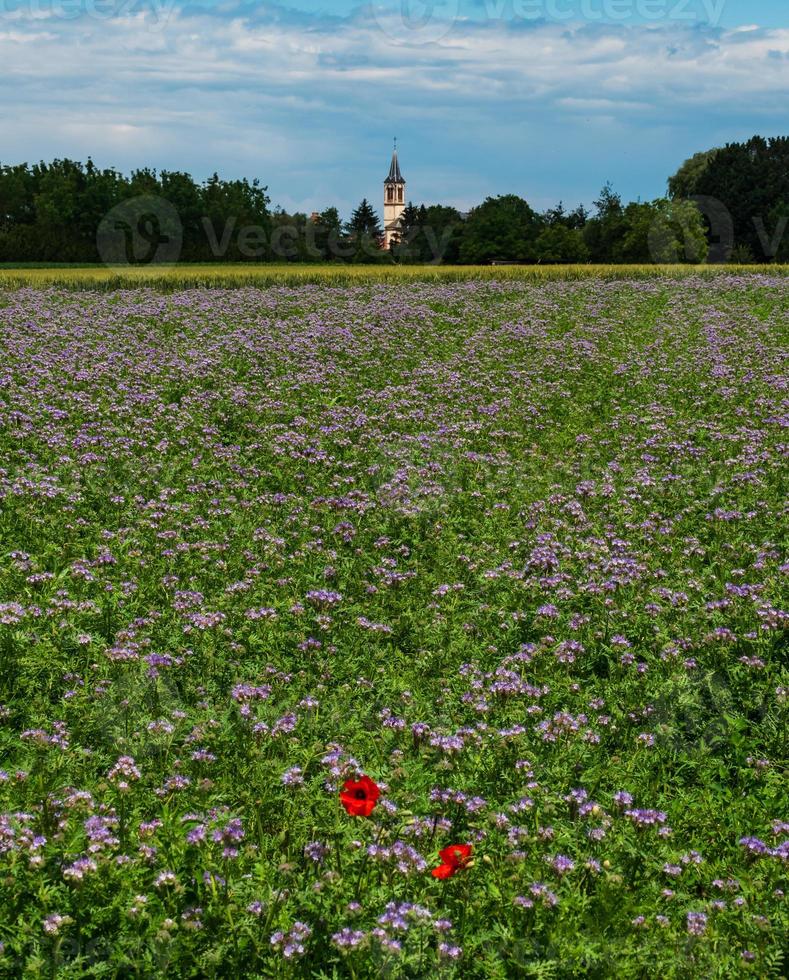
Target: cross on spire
[(394, 176), (394, 201)]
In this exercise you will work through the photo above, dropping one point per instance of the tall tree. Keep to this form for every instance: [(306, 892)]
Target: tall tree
[(364, 222), (561, 238), (503, 228), (325, 236), (365, 235), (662, 231), (604, 232), (751, 182), (430, 234), (685, 182), (559, 243)]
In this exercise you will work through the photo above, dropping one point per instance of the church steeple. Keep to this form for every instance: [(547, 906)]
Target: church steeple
[(394, 177), (394, 200)]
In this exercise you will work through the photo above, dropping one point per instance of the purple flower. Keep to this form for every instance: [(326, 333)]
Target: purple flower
[(348, 938), (696, 923)]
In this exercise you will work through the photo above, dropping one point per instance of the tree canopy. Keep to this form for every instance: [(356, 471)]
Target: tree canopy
[(501, 228), (743, 190), (729, 202)]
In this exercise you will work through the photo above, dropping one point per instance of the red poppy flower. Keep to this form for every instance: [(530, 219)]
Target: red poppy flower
[(453, 858), (359, 798)]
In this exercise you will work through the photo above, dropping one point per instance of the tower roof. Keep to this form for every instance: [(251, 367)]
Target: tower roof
[(395, 177)]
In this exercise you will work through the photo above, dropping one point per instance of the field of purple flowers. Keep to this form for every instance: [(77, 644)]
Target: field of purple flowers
[(511, 551)]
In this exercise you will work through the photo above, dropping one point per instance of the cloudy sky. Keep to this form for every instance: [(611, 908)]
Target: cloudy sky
[(544, 98)]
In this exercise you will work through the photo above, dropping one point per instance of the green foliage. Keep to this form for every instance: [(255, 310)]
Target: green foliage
[(364, 221), (430, 235), (685, 182), (664, 231), (512, 547), (501, 228), (365, 235), (558, 243), (751, 181), (661, 231), (603, 234), (52, 212)]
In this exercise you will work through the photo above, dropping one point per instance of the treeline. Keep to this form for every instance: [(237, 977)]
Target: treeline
[(73, 213), (55, 212), (729, 203), (507, 229)]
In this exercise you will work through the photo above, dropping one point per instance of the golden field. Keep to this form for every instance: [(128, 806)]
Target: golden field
[(285, 274)]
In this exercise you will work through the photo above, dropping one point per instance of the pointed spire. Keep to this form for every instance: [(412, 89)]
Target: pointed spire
[(394, 177)]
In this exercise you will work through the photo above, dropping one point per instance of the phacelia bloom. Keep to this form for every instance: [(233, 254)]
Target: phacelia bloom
[(316, 851), (53, 923), (124, 771), (646, 818), (348, 938), (80, 868), (359, 798), (453, 858), (292, 777), (292, 943), (561, 864), (696, 923)]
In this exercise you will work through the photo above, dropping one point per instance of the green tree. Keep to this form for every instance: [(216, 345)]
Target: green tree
[(662, 231), (558, 243), (503, 228), (751, 181), (184, 194), (365, 235), (604, 232), (51, 212), (778, 224), (685, 182), (561, 238), (236, 220), (326, 239), (430, 234), (364, 222)]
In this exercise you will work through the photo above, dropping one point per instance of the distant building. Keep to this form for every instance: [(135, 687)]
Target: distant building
[(394, 202)]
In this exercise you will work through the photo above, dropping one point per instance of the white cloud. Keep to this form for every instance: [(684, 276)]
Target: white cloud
[(285, 93)]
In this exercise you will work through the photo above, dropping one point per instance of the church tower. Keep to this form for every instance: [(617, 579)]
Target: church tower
[(394, 201)]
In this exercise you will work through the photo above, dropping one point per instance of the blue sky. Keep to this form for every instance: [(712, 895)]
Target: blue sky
[(544, 98)]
